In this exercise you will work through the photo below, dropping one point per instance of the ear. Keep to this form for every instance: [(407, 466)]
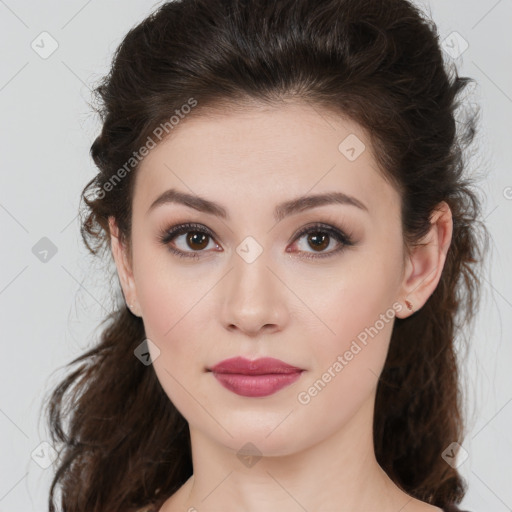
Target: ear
[(124, 266), (425, 262)]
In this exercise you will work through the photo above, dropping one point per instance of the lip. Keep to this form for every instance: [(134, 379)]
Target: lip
[(256, 378), (262, 366)]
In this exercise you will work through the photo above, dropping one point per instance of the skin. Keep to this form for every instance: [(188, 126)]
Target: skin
[(306, 312)]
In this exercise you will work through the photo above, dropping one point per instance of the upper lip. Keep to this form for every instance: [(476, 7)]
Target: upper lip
[(262, 366)]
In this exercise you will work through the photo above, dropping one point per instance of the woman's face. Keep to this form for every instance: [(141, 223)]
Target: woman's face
[(257, 285)]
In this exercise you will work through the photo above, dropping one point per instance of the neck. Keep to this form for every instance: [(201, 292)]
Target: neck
[(340, 473)]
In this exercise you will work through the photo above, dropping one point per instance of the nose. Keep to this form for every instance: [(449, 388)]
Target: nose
[(254, 298)]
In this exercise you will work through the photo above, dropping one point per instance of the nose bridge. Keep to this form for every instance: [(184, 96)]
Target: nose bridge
[(252, 275), (253, 298)]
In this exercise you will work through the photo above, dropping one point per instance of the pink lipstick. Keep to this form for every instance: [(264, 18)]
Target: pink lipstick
[(260, 377)]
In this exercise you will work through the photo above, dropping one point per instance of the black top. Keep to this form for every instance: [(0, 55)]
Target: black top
[(453, 508)]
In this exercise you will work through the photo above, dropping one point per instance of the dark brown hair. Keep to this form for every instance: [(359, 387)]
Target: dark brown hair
[(380, 63)]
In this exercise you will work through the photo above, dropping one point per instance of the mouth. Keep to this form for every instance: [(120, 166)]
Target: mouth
[(256, 378)]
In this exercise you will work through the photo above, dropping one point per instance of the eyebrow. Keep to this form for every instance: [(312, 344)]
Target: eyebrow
[(281, 211)]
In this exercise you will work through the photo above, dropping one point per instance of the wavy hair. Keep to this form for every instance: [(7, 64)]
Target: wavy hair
[(122, 442)]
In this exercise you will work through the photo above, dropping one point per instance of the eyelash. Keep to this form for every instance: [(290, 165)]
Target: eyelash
[(346, 240)]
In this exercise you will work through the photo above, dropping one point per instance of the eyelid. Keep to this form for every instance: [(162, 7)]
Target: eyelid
[(343, 236), (184, 227), (167, 235), (330, 228)]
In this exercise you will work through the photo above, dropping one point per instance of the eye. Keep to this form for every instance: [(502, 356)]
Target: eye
[(320, 236), (198, 238)]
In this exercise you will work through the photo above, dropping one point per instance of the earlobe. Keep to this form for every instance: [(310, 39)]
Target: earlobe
[(426, 261), (123, 266)]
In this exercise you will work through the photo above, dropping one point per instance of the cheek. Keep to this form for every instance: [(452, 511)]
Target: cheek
[(359, 329), (347, 364), (349, 345), (172, 319), (164, 294), (172, 303), (172, 314), (349, 300)]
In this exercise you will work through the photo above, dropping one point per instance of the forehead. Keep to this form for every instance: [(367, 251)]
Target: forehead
[(266, 153)]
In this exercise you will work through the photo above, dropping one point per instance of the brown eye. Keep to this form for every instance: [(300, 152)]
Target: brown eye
[(318, 241), (318, 238), (194, 239), (197, 240)]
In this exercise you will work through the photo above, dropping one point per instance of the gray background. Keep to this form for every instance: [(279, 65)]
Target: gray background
[(51, 309)]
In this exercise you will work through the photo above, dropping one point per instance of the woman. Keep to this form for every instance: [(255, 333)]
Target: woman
[(282, 188)]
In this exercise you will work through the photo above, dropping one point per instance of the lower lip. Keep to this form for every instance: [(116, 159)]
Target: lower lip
[(256, 385)]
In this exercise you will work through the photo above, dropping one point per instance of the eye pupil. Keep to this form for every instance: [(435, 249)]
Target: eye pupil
[(319, 241), (202, 240)]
